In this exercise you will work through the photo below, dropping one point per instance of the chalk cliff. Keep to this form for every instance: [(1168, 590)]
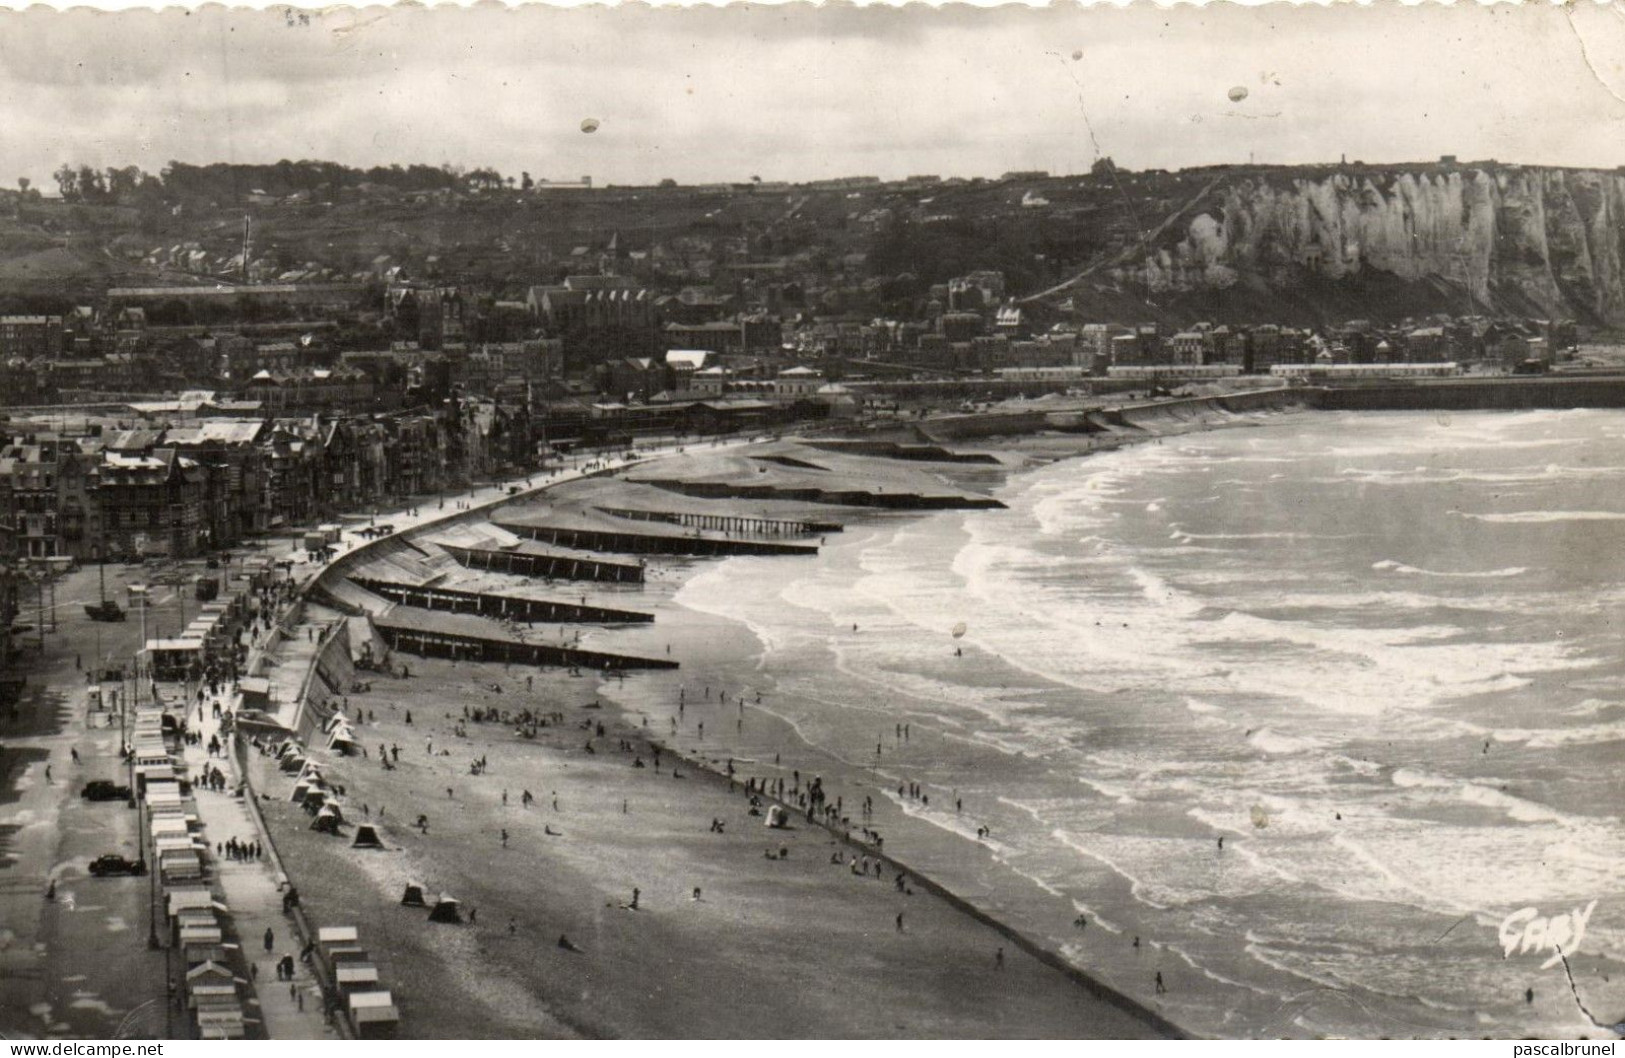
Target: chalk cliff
[(1546, 242)]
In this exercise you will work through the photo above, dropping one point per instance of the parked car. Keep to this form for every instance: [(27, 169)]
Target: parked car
[(113, 863), (104, 790)]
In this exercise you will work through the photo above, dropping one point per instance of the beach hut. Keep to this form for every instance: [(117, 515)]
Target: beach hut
[(198, 954), (292, 763), (301, 790), (777, 817), (373, 1015), (332, 936), (445, 909), (366, 837), (355, 976), (224, 1023), (413, 896), (256, 691), (186, 897)]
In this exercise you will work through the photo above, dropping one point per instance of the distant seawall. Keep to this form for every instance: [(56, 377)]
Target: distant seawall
[(1551, 392), (1122, 417)]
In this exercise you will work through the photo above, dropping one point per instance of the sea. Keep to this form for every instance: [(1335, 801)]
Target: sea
[(1295, 714)]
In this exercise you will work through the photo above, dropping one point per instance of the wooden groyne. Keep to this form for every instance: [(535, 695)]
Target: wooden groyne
[(417, 637), (726, 523), (918, 453), (627, 543), (901, 501), (551, 567), (505, 607)]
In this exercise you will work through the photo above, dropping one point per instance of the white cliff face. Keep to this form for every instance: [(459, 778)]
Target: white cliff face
[(1522, 239)]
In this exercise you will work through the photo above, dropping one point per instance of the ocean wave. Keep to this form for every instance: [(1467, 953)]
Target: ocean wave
[(1392, 566), (1271, 741), (1540, 517)]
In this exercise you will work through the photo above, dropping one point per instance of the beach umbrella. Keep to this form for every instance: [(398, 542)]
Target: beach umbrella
[(959, 630)]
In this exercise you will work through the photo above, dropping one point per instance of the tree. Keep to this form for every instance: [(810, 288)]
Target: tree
[(92, 188), (525, 182), (22, 185), (67, 182)]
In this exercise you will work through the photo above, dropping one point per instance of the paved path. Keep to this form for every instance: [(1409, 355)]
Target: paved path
[(253, 892)]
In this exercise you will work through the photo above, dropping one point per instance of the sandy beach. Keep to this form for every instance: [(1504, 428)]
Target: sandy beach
[(785, 946)]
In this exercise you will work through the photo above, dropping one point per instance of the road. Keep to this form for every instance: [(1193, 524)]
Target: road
[(77, 965)]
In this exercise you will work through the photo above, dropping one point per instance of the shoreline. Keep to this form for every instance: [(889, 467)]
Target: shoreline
[(1039, 951)]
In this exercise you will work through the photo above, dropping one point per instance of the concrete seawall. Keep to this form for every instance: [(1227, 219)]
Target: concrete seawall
[(1473, 394), (1091, 418)]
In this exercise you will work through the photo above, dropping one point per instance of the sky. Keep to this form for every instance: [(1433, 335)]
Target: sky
[(796, 92)]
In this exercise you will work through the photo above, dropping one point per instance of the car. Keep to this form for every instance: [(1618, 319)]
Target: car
[(113, 863), (104, 790)]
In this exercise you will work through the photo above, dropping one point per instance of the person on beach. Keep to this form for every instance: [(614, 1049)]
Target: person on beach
[(899, 922), (270, 939)]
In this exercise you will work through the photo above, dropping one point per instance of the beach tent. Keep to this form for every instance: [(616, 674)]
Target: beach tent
[(413, 896), (777, 817), (314, 800), (366, 837), (327, 820), (301, 790), (292, 763), (445, 910)]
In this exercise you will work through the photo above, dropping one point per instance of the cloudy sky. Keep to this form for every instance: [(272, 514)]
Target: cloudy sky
[(798, 93)]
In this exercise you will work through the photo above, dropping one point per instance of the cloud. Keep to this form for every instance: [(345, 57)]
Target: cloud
[(803, 91)]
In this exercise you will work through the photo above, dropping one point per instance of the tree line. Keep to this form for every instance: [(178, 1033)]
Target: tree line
[(223, 182)]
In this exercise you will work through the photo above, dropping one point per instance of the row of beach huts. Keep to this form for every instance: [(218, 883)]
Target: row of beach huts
[(367, 1005)]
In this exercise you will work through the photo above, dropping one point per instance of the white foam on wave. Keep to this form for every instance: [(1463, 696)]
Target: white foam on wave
[(1394, 566), (1542, 517), (1271, 741)]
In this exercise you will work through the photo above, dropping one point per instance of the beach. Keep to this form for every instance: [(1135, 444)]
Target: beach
[(778, 943), (1221, 807)]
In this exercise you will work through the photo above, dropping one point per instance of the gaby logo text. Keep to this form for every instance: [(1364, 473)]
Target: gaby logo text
[(1526, 930)]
